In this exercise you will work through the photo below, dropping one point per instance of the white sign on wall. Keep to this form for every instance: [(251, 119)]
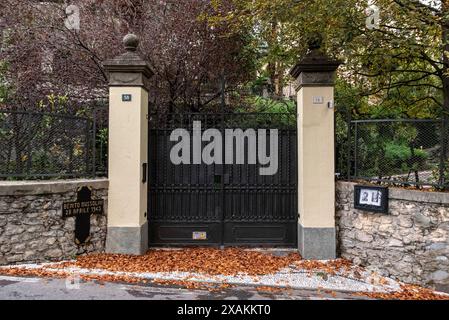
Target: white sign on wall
[(318, 100), (371, 198)]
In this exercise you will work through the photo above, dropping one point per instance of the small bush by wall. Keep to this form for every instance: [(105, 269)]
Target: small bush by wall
[(32, 228), (410, 244)]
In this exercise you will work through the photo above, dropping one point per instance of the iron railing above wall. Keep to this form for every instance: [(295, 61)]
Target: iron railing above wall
[(39, 145), (407, 152)]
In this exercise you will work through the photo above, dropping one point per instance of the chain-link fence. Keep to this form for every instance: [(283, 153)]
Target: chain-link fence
[(100, 125), (396, 152), (35, 145)]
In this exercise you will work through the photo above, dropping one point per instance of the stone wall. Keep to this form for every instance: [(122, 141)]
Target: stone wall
[(32, 228), (410, 244)]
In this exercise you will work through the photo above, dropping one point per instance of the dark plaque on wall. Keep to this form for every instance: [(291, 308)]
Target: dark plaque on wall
[(371, 198), (81, 209)]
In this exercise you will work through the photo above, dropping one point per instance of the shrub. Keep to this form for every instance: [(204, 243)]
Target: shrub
[(404, 157)]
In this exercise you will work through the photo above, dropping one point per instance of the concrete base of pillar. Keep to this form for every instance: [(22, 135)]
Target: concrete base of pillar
[(317, 243), (127, 240)]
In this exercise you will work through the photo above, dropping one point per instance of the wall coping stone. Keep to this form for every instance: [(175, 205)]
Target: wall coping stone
[(407, 195), (24, 188)]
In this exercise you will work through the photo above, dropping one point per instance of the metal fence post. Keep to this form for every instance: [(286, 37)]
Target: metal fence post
[(349, 124), (94, 143), (87, 146), (356, 137), (443, 151)]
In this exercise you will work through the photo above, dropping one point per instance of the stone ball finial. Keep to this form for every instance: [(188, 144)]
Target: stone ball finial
[(315, 41), (131, 42)]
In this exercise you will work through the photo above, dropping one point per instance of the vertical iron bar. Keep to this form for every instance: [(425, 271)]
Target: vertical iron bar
[(223, 89), (223, 172), (349, 124), (164, 204), (443, 140), (87, 147), (94, 143), (356, 137), (337, 167)]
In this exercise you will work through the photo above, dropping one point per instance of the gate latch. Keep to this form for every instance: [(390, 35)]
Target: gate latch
[(144, 169)]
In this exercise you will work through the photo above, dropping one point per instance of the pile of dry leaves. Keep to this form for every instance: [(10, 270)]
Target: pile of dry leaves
[(230, 261), (407, 292)]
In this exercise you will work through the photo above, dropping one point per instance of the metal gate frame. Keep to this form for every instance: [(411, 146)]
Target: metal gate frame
[(221, 204)]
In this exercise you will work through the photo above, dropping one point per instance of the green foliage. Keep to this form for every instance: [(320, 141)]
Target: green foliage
[(54, 103), (264, 112), (391, 72), (268, 105), (102, 136), (404, 157), (348, 99), (387, 149), (50, 144)]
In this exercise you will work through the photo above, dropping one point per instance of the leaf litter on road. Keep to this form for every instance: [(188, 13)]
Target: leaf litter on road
[(211, 262)]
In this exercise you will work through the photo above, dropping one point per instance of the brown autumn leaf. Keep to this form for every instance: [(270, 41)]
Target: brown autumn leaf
[(407, 292)]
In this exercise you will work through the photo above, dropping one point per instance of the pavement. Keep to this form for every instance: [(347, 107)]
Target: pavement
[(29, 288)]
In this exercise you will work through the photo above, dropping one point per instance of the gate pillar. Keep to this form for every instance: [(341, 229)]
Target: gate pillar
[(316, 176), (128, 134)]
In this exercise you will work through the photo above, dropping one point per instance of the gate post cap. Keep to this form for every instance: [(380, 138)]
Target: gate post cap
[(316, 68), (129, 68), (315, 41), (315, 61), (131, 42)]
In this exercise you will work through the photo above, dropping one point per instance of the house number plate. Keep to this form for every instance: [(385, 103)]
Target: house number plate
[(371, 198)]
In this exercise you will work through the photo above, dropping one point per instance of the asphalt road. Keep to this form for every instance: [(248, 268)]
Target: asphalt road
[(14, 288)]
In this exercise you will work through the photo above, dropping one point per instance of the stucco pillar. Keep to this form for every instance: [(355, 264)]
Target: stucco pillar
[(128, 151), (316, 183)]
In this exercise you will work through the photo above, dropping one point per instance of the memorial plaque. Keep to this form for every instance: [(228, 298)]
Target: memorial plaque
[(82, 209), (83, 204), (371, 198)]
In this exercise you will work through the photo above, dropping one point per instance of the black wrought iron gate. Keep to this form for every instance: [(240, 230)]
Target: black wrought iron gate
[(222, 204)]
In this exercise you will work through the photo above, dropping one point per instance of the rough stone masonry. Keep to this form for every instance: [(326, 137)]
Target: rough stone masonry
[(32, 228), (410, 244)]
